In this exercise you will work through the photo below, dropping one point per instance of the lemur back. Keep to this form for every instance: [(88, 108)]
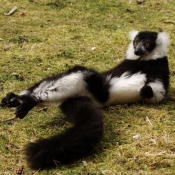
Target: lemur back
[(79, 92)]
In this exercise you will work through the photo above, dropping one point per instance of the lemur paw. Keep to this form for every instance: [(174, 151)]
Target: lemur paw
[(22, 110), (146, 92), (26, 104), (10, 100)]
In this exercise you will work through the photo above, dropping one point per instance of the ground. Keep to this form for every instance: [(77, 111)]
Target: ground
[(44, 37)]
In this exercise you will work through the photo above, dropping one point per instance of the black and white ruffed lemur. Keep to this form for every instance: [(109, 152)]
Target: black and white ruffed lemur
[(80, 92)]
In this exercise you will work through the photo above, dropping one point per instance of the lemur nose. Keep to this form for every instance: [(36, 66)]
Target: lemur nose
[(136, 52)]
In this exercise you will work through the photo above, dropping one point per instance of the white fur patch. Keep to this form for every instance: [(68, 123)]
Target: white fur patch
[(130, 53), (57, 91), (133, 34), (163, 39), (158, 92), (126, 89), (25, 92)]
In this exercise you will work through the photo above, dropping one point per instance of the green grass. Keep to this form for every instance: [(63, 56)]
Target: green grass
[(55, 35)]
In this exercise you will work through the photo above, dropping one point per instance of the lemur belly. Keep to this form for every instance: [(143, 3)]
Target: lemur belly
[(126, 89)]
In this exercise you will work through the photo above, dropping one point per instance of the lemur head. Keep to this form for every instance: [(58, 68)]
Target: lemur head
[(144, 43), (147, 45)]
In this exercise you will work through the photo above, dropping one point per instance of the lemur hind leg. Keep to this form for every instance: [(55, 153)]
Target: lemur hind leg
[(75, 143), (78, 81)]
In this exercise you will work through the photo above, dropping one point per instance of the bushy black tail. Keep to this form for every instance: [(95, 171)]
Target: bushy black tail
[(75, 143)]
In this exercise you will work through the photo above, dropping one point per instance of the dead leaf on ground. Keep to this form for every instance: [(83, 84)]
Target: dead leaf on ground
[(19, 170), (168, 22), (11, 11)]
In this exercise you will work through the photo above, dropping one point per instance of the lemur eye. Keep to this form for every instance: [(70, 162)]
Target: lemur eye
[(135, 43), (147, 44)]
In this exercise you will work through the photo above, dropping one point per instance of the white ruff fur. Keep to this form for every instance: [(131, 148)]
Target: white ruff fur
[(133, 34), (126, 89), (160, 50), (56, 92)]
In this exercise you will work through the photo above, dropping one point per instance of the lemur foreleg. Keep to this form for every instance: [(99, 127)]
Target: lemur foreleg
[(153, 92)]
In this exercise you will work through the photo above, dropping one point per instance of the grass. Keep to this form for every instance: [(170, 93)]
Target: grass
[(55, 35)]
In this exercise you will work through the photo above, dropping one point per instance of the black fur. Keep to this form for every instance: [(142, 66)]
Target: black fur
[(75, 143), (146, 92), (97, 85)]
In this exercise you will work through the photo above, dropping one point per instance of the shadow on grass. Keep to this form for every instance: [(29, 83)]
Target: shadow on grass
[(119, 121)]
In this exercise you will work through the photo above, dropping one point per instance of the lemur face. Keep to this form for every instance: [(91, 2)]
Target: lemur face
[(144, 43)]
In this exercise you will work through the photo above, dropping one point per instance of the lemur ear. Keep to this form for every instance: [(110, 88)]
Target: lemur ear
[(163, 38), (132, 34)]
